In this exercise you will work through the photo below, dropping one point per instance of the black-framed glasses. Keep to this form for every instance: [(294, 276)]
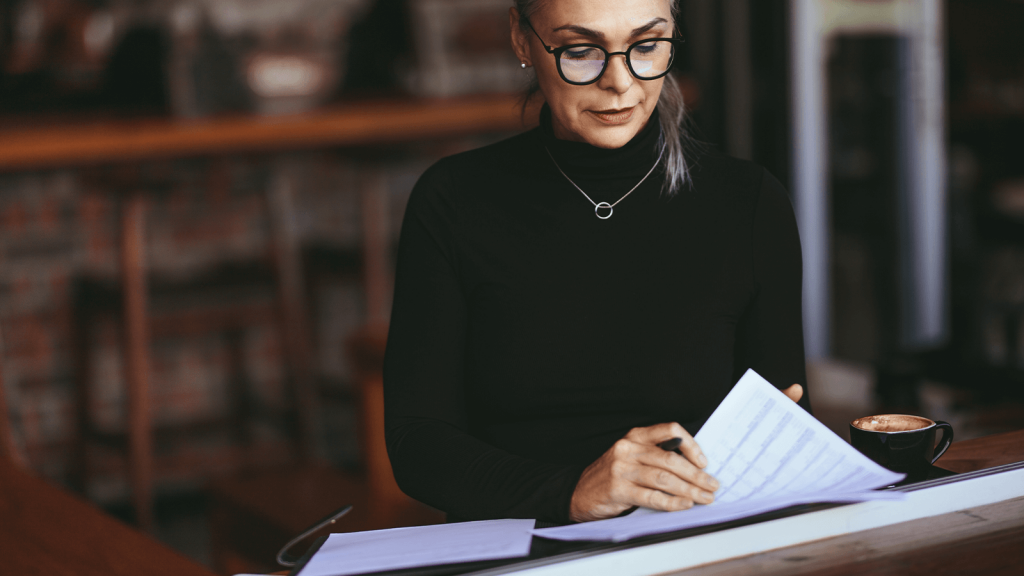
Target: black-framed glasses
[(582, 64)]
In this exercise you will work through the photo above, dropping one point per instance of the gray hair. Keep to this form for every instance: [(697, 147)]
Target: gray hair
[(674, 140)]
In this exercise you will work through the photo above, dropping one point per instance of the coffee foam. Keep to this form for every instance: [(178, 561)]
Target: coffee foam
[(892, 423)]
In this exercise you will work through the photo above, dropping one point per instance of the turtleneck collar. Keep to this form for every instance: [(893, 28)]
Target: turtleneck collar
[(580, 159)]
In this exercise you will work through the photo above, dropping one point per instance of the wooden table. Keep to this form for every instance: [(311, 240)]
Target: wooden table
[(986, 537), (987, 541), (47, 531)]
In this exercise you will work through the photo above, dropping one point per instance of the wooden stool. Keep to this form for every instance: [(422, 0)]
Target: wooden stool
[(132, 184), (252, 517), (9, 453), (224, 302)]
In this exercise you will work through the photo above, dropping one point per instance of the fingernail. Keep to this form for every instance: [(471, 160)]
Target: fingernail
[(707, 496), (702, 461), (713, 483)]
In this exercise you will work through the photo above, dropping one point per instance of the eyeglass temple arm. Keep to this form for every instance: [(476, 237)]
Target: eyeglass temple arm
[(287, 560), (542, 43)]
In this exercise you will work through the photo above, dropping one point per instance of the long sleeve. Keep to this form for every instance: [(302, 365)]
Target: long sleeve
[(434, 456), (770, 334)]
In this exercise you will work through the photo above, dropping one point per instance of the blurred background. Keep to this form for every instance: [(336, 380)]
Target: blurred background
[(200, 199)]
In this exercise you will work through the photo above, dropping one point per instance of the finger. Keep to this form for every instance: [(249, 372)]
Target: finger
[(656, 433), (691, 451), (794, 392), (652, 435), (658, 500), (680, 467), (625, 449), (666, 481)]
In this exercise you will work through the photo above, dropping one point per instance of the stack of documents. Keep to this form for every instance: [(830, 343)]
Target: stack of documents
[(767, 453)]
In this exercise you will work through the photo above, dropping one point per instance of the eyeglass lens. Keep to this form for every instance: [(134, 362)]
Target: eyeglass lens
[(647, 61)]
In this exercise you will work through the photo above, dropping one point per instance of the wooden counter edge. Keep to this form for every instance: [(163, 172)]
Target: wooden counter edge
[(984, 452), (47, 530), (350, 124)]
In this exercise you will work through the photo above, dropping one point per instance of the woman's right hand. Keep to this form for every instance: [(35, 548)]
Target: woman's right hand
[(636, 472)]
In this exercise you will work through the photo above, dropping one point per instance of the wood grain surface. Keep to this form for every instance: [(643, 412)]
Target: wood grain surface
[(46, 531), (376, 122), (979, 453), (985, 540)]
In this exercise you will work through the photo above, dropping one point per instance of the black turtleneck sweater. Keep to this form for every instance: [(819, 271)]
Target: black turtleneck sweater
[(527, 335)]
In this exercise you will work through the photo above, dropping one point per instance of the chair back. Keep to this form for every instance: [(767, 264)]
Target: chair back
[(366, 348), (9, 452)]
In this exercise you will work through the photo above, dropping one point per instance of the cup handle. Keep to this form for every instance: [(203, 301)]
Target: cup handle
[(947, 439)]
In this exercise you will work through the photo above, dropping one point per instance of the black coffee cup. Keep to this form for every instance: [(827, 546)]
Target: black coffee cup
[(900, 442)]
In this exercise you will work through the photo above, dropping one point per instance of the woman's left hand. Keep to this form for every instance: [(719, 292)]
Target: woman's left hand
[(795, 392)]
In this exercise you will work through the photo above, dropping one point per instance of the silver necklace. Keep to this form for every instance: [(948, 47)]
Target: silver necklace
[(598, 206)]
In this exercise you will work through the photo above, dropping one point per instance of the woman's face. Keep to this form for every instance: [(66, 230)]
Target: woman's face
[(609, 112)]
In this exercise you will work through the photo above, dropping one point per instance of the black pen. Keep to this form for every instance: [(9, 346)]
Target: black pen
[(671, 445)]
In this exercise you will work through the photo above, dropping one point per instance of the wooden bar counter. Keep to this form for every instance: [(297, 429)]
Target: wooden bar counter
[(988, 540), (46, 531), (353, 124)]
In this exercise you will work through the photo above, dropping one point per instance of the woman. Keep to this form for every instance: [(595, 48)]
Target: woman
[(568, 298)]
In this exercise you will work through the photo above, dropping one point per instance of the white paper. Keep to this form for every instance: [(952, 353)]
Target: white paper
[(767, 453), (397, 548), (760, 444)]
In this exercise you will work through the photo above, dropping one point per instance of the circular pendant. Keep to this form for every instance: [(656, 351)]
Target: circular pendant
[(599, 206)]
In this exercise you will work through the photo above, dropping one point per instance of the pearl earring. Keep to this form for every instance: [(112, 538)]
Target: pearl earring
[(523, 64)]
